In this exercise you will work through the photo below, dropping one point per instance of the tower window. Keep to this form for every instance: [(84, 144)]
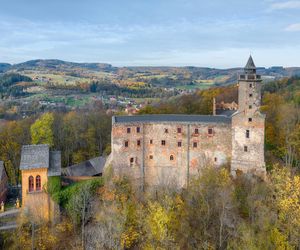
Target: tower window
[(131, 160), (128, 130), (245, 149), (138, 142), (250, 95), (166, 130), (138, 129), (196, 131), (171, 158), (250, 85), (178, 130), (195, 144), (247, 133), (163, 142), (250, 106), (126, 144), (249, 119), (179, 144), (210, 131), (151, 141), (31, 184), (38, 183), (151, 157), (216, 159)]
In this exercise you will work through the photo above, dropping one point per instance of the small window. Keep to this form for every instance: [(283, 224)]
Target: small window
[(245, 149), (131, 160), (247, 133), (195, 144), (171, 158), (178, 130), (126, 144), (250, 95), (179, 144), (250, 106), (216, 159), (128, 130), (151, 157), (250, 119), (166, 130), (38, 183), (196, 131), (163, 142), (210, 131), (151, 141), (31, 184), (250, 85), (138, 143), (138, 129)]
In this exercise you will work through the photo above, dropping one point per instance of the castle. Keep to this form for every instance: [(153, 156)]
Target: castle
[(168, 149)]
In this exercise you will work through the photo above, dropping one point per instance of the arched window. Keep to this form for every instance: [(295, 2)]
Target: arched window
[(31, 183), (171, 157), (38, 182)]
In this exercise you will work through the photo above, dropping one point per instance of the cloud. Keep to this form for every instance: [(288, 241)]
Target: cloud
[(293, 27), (285, 5)]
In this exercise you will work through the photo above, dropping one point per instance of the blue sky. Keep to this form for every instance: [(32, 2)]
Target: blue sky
[(214, 33)]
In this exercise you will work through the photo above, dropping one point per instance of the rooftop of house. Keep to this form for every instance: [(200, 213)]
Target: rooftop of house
[(40, 156), (91, 167), (172, 118)]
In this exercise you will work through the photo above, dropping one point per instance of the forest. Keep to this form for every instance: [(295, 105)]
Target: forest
[(213, 212)]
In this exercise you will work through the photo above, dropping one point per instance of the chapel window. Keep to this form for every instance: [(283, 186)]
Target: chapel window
[(196, 131), (131, 160), (138, 129), (250, 106), (179, 144), (128, 130), (138, 143), (245, 149), (166, 130), (38, 183), (210, 131), (163, 142), (31, 184), (247, 133), (178, 130), (249, 119), (151, 157), (126, 144), (195, 144), (151, 141), (171, 158)]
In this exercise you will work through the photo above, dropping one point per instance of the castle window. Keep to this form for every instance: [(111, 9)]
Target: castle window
[(178, 130), (151, 141), (196, 131), (250, 85), (179, 144), (250, 119), (163, 142), (245, 149), (138, 129), (131, 160), (38, 183), (216, 159), (150, 157), (126, 144), (166, 130), (138, 143), (247, 133), (210, 131), (195, 144), (250, 106), (128, 130), (250, 95), (171, 158), (31, 184)]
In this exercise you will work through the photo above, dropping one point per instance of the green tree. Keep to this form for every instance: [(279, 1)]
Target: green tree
[(42, 130)]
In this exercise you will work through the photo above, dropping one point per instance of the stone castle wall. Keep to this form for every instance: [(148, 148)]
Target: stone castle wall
[(169, 164)]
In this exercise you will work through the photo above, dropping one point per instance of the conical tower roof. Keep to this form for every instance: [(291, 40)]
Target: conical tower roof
[(250, 64)]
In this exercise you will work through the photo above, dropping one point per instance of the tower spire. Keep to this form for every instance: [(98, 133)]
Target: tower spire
[(250, 67)]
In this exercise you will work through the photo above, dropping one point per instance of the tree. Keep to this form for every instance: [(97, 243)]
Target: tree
[(42, 130)]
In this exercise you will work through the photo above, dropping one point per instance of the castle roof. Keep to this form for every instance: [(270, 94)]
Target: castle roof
[(172, 118), (250, 64), (91, 167), (40, 156)]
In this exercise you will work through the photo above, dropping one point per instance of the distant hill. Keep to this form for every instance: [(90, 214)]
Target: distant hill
[(4, 67), (59, 65)]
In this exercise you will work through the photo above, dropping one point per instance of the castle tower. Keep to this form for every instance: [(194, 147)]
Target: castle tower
[(248, 126)]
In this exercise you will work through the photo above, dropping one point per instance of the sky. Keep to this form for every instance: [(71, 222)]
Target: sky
[(212, 33)]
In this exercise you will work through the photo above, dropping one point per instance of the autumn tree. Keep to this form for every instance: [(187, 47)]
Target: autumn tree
[(42, 130)]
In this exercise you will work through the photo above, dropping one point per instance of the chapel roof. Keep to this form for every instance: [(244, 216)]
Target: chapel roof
[(34, 156)]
